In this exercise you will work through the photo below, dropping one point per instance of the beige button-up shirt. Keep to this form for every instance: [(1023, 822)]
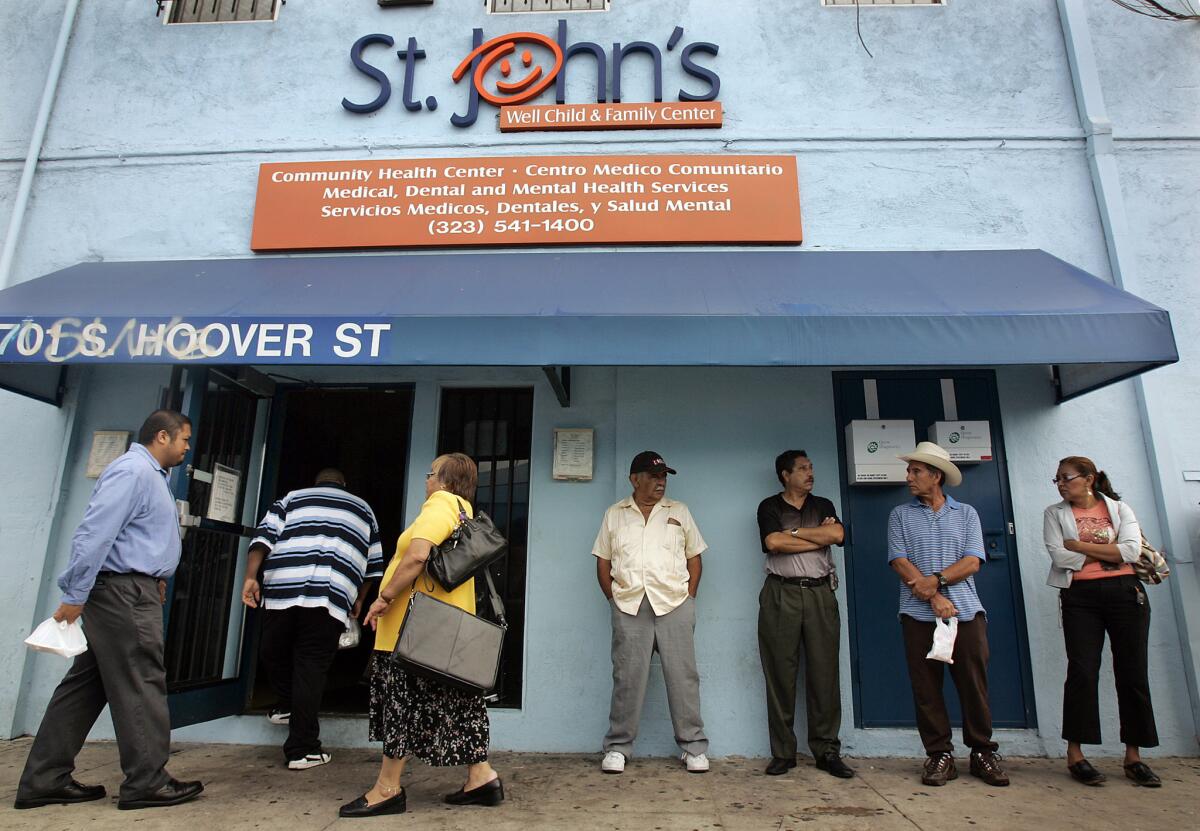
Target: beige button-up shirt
[(649, 556)]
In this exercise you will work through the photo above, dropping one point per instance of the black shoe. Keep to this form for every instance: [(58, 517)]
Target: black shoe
[(490, 793), (73, 792), (1141, 774), (832, 764), (397, 804), (172, 793), (779, 766), (939, 769), (1082, 771), (986, 765)]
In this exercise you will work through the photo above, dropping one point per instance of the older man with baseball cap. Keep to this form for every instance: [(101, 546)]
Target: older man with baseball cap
[(648, 564), (935, 544)]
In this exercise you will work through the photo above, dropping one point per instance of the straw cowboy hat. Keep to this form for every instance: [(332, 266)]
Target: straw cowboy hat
[(933, 455)]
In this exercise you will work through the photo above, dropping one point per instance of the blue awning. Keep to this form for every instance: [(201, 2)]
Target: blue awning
[(731, 308)]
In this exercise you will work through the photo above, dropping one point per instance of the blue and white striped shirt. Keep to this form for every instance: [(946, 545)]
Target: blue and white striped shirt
[(934, 541), (323, 543)]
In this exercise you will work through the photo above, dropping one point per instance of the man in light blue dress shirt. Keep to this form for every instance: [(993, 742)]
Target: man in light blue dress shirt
[(122, 554)]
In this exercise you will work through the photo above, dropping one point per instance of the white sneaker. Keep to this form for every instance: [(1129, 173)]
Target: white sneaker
[(695, 764), (614, 762), (312, 760), (279, 717)]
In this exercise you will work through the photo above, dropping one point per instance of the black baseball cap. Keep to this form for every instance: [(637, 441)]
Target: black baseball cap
[(648, 462)]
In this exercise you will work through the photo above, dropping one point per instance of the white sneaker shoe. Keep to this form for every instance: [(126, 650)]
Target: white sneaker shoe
[(312, 760), (695, 764), (614, 762)]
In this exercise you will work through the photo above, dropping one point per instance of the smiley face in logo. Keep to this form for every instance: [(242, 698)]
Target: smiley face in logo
[(497, 49)]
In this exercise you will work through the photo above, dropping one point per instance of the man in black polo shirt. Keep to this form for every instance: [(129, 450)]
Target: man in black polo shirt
[(797, 607)]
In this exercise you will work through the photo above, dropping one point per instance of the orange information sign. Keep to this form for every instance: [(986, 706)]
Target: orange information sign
[(656, 116), (531, 200)]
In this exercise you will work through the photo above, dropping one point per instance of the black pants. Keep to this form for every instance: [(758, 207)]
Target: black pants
[(791, 619), (1118, 607), (123, 668), (969, 673), (298, 645)]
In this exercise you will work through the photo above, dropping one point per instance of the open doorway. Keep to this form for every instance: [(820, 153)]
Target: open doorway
[(364, 432)]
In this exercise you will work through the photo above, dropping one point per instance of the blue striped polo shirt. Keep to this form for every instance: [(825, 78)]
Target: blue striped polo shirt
[(323, 543), (934, 541)]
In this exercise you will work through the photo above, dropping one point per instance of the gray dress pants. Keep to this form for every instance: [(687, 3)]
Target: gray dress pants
[(123, 668), (634, 640)]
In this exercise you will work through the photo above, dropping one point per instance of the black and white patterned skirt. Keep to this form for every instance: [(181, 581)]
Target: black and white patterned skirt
[(416, 716)]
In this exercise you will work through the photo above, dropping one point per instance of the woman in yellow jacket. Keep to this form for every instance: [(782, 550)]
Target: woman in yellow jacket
[(410, 714)]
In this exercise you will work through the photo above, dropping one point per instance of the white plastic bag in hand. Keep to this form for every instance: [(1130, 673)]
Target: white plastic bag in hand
[(59, 637), (943, 641), (350, 638)]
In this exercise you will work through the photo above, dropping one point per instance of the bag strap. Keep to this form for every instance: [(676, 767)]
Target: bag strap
[(494, 597)]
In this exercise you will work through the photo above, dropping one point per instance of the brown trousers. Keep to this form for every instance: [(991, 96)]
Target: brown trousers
[(969, 673)]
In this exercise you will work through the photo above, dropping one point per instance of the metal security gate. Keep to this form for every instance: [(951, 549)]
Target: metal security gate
[(494, 427)]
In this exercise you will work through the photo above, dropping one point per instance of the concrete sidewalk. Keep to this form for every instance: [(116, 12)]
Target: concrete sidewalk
[(248, 787)]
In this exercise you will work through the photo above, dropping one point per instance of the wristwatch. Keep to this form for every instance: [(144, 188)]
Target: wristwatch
[(793, 531), (941, 578)]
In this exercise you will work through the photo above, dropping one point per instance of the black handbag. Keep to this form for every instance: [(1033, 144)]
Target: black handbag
[(475, 544), (451, 646)]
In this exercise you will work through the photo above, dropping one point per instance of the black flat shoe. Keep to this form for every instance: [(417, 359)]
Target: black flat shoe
[(1082, 771), (172, 793), (832, 764), (72, 792), (489, 793), (1141, 774), (397, 804), (777, 766)]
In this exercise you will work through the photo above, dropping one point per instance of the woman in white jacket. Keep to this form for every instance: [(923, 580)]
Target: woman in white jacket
[(1093, 538)]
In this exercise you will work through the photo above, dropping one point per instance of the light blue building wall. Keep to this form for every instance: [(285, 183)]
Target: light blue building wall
[(963, 131)]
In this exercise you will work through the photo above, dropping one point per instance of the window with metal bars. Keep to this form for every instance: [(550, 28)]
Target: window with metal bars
[(853, 3), (222, 11), (495, 428), (517, 6)]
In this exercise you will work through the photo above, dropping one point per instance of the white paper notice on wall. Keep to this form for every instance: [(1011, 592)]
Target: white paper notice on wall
[(574, 449), (223, 494), (107, 446)]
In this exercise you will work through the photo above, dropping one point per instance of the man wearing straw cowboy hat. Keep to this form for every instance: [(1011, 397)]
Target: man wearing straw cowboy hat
[(935, 544)]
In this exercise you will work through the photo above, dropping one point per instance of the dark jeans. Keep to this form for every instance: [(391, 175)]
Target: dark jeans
[(298, 645), (1118, 607), (123, 668), (969, 673), (790, 618)]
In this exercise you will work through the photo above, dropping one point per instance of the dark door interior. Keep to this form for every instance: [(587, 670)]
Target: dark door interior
[(882, 695), (363, 432), (495, 427)]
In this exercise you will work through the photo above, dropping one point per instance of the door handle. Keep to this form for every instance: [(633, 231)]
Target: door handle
[(993, 545)]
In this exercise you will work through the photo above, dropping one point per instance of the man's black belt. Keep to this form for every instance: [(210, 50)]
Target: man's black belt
[(124, 574), (803, 582)]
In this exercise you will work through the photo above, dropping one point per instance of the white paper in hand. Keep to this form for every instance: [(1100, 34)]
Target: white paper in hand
[(943, 641), (59, 637), (350, 638)]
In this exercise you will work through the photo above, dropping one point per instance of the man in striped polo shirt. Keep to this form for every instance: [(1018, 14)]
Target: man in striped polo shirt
[(935, 544), (321, 547)]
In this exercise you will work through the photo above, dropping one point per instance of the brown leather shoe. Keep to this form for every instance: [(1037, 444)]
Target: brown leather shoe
[(986, 765), (939, 769)]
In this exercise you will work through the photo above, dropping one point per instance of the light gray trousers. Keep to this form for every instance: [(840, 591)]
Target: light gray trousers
[(634, 639)]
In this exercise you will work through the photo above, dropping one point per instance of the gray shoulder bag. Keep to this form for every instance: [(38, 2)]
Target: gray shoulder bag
[(445, 643)]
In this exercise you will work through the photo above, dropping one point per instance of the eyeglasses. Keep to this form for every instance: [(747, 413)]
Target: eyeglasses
[(1064, 479), (430, 475)]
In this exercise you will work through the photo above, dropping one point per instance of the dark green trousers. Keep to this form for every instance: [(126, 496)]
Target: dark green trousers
[(792, 618)]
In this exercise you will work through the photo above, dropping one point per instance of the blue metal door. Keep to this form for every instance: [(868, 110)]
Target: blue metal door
[(882, 695)]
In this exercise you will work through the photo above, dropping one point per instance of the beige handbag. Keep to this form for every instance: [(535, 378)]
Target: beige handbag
[(1151, 566)]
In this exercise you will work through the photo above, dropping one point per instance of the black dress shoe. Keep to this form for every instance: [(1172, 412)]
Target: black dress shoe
[(832, 764), (1082, 771), (778, 766), (172, 793), (489, 793), (1141, 774), (72, 792), (397, 804)]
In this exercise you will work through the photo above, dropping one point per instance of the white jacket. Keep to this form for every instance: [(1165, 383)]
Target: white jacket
[(1058, 524)]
